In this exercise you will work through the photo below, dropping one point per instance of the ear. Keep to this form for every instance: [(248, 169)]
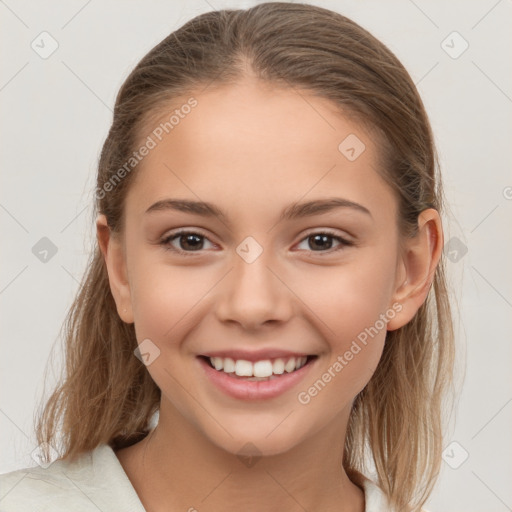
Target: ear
[(114, 255), (417, 267)]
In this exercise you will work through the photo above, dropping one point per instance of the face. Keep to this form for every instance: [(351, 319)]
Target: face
[(265, 279)]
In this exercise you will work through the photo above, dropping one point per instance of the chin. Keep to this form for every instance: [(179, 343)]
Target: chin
[(246, 448), (256, 441)]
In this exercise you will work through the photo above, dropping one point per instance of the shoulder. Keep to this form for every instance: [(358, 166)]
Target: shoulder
[(376, 500), (95, 481)]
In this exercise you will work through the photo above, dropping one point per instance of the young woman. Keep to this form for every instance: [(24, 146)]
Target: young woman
[(268, 283)]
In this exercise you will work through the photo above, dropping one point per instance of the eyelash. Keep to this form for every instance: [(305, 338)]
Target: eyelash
[(165, 242)]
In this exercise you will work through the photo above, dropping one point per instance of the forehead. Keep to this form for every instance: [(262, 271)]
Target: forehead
[(253, 143)]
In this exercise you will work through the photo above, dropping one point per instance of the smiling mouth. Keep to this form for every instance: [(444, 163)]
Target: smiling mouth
[(263, 370)]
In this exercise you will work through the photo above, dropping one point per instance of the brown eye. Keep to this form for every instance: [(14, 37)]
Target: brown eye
[(323, 242), (190, 241), (184, 242)]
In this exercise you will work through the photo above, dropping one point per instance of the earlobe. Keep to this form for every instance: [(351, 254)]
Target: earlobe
[(418, 266), (115, 261)]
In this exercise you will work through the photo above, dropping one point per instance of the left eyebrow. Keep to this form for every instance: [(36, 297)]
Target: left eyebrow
[(292, 211), (299, 210)]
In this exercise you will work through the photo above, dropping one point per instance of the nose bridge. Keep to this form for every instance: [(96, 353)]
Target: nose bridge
[(252, 293)]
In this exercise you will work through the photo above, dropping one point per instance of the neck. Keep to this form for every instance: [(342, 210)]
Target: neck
[(177, 465)]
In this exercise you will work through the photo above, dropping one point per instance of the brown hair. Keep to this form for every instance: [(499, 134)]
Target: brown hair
[(107, 395)]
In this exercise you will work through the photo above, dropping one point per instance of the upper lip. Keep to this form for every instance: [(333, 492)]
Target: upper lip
[(255, 355)]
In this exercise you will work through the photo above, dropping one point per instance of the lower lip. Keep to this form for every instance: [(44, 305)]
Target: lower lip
[(254, 390)]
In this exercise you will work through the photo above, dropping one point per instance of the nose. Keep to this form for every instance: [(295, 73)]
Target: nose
[(254, 294)]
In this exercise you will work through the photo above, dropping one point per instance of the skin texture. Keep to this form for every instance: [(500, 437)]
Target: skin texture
[(252, 149)]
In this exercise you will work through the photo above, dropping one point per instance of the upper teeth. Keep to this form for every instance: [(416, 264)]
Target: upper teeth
[(264, 368)]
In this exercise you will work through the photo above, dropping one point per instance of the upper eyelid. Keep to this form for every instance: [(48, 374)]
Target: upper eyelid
[(184, 231)]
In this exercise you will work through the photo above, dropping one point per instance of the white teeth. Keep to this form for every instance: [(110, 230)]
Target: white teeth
[(243, 368), (262, 369), (229, 365), (290, 365), (278, 366), (217, 362), (259, 369)]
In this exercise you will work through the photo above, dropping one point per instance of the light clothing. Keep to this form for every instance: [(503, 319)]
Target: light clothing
[(97, 482)]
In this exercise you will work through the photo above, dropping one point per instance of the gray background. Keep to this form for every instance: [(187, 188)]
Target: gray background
[(56, 113)]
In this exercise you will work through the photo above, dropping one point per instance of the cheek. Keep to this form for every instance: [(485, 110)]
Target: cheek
[(163, 294), (164, 298), (351, 306), (348, 298)]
